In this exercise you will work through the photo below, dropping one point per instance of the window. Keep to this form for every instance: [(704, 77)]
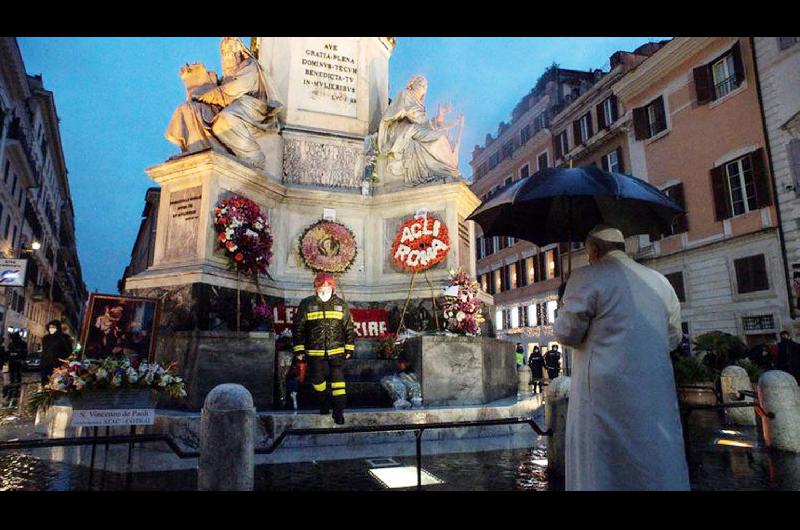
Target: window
[(758, 323), (552, 305), (612, 161), (499, 242), (740, 186), (479, 247), (508, 149), (530, 269), (582, 128), (561, 145), (523, 316), (751, 274), (508, 181), (649, 120), (676, 280), (494, 159), (524, 171), (532, 320), (540, 122), (498, 319), (725, 79), (719, 77), (524, 134), (488, 245), (607, 112), (551, 263), (498, 281), (511, 271), (484, 283), (511, 241), (522, 275), (541, 161), (742, 193), (514, 314)]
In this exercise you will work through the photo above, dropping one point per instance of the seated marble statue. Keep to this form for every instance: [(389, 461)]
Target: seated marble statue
[(228, 114), (415, 147)]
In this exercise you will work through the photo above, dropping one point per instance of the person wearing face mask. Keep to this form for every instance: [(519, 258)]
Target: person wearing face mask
[(623, 424), (55, 345), (323, 330)]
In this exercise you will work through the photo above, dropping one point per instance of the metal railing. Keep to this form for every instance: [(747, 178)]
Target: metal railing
[(417, 428)]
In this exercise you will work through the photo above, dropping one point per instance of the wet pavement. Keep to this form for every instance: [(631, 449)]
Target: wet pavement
[(712, 467)]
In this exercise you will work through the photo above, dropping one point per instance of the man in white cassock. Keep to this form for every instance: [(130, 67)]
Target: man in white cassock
[(623, 424)]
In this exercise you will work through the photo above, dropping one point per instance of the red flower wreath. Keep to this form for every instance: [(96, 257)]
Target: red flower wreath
[(244, 233), (420, 244)]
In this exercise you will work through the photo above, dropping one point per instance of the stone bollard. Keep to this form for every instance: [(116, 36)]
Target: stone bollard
[(227, 444), (556, 397), (524, 382), (778, 393), (732, 380)]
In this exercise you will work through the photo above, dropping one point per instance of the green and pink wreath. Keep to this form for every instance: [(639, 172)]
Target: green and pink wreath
[(244, 234), (327, 246)]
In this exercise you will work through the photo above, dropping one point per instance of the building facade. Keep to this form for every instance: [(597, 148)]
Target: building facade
[(37, 215), (695, 132), (778, 69), (570, 117)]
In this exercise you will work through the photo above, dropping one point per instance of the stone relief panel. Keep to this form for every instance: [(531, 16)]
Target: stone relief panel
[(322, 164)]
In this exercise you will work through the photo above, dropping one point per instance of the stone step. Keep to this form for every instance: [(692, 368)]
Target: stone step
[(360, 394)]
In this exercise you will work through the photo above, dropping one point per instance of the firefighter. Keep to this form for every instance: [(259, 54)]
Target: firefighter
[(323, 331)]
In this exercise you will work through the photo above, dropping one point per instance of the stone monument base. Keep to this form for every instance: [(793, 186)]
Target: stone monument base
[(457, 370)]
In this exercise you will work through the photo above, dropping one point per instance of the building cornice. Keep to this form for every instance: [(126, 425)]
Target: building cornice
[(659, 64)]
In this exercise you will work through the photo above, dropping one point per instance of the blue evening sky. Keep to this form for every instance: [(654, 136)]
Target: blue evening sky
[(114, 97)]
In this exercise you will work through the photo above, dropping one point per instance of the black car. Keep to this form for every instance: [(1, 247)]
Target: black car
[(32, 362)]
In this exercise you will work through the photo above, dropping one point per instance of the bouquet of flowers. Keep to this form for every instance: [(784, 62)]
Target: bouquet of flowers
[(461, 307), (244, 233), (263, 314), (76, 376)]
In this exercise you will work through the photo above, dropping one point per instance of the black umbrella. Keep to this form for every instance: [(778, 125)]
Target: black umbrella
[(563, 204)]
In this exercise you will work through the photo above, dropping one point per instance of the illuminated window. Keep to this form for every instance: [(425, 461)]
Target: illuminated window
[(512, 276), (514, 318), (550, 263), (498, 280), (498, 319), (530, 269), (551, 310), (532, 321)]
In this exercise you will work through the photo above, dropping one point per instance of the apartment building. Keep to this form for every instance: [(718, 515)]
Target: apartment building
[(695, 131), (36, 211), (568, 117)]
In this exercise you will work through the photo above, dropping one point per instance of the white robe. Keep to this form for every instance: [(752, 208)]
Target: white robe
[(623, 424)]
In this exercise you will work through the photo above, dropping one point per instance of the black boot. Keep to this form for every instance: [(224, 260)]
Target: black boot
[(324, 403), (338, 417)]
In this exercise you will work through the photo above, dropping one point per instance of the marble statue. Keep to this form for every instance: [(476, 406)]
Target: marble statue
[(228, 113), (413, 147)]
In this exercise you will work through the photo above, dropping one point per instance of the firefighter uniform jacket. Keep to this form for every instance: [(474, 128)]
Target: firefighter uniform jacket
[(323, 328)]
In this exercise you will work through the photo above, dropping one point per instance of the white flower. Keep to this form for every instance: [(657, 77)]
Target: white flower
[(101, 373), (116, 381), (461, 316)]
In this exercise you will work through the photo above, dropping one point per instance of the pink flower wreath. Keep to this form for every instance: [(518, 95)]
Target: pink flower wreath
[(244, 233), (327, 246)]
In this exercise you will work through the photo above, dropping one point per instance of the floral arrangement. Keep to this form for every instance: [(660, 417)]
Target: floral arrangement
[(244, 233), (420, 243), (462, 309), (387, 346), (75, 376), (327, 246)]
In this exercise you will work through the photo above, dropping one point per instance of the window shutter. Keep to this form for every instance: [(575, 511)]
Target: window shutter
[(703, 84), (742, 276), (539, 315), (722, 207), (793, 153), (738, 66), (557, 263), (557, 146), (601, 119), (522, 274), (682, 221), (542, 269), (604, 162), (759, 273), (640, 129), (535, 261), (589, 125), (760, 179), (576, 132), (614, 113), (619, 160)]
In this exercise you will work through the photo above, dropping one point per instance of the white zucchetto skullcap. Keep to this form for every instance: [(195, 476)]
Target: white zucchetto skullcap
[(607, 233)]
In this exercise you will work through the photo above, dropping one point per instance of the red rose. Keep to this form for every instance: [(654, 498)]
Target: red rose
[(222, 236), (230, 245), (239, 256)]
